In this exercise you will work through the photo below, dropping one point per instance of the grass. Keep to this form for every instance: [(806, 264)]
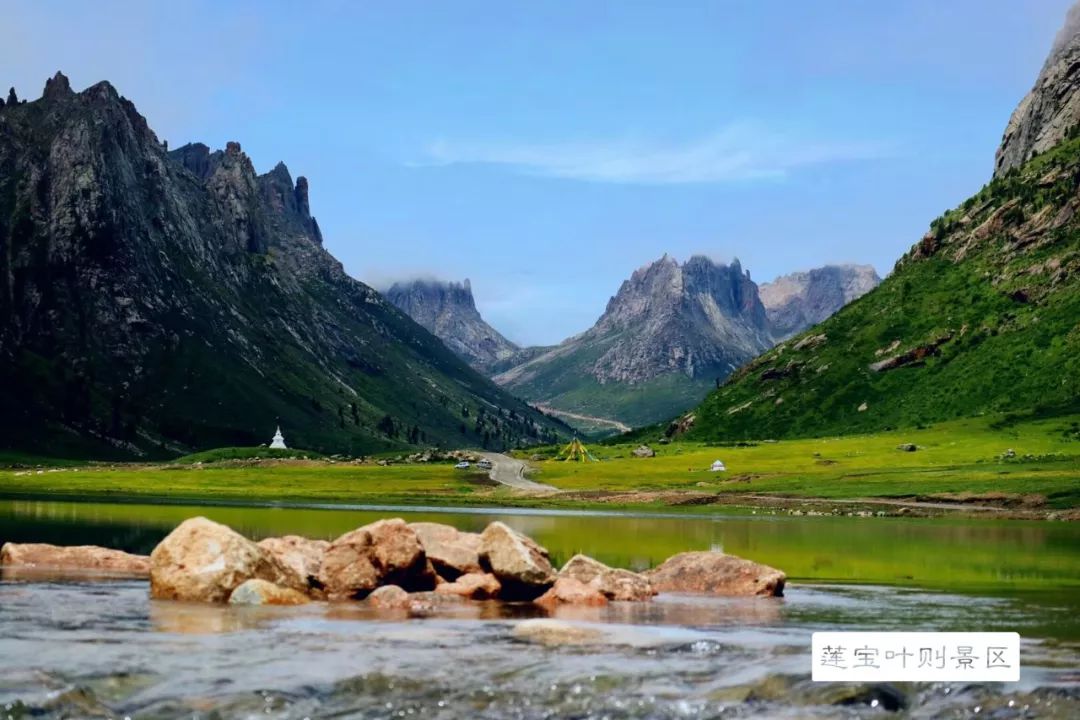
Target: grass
[(246, 453), (963, 456), (957, 457)]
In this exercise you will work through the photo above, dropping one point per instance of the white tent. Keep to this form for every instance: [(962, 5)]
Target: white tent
[(717, 466)]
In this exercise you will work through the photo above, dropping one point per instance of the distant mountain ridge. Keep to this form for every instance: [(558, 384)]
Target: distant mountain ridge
[(670, 333), (798, 300), (448, 310), (153, 302)]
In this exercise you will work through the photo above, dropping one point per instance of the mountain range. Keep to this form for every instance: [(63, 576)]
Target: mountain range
[(980, 316), (672, 331), (153, 302)]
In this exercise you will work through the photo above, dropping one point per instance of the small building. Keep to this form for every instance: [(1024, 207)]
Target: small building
[(278, 443)]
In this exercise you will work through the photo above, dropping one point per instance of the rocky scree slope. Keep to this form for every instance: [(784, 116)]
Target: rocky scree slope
[(154, 302), (448, 310)]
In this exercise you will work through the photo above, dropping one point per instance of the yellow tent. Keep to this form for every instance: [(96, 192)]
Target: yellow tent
[(577, 452)]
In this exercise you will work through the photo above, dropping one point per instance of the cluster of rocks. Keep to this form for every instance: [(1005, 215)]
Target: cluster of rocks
[(394, 564)]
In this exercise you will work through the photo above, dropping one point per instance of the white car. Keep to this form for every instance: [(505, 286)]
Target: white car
[(484, 464), (463, 465)]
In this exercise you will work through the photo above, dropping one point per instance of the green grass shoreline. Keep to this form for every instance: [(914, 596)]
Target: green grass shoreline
[(1020, 465)]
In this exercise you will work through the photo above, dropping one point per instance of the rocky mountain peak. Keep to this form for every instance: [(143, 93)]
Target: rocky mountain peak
[(141, 312), (58, 86), (665, 288), (796, 301), (448, 310), (1051, 110)]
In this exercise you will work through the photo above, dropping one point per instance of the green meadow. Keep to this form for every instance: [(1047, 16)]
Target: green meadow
[(1005, 460)]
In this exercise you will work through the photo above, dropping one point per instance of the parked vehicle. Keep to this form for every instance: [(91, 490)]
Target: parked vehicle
[(463, 465), (484, 464)]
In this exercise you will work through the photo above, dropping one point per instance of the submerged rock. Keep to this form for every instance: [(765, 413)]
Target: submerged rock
[(302, 555), (520, 564), (77, 557), (716, 573), (261, 592), (614, 583), (386, 552), (568, 591), (205, 561), (451, 552), (475, 586), (554, 632)]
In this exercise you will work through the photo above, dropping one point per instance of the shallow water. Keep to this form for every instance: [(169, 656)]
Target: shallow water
[(94, 648)]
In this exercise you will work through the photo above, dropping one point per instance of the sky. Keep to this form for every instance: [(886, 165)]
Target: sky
[(546, 150)]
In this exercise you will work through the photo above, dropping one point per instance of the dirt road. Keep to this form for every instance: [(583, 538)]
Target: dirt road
[(510, 471)]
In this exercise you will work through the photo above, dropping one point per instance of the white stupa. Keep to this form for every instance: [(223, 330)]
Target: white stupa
[(278, 443)]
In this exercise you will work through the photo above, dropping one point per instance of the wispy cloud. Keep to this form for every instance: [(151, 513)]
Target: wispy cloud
[(735, 153)]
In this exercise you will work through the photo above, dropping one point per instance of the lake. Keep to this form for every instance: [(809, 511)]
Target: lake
[(81, 647)]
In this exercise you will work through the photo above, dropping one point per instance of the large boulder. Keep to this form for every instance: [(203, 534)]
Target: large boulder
[(643, 451), (475, 586), (451, 552), (521, 565), (715, 573), (387, 552), (569, 591), (205, 561), (302, 555), (261, 592), (75, 557), (614, 583), (389, 597)]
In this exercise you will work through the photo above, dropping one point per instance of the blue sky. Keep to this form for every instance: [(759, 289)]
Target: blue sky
[(546, 150)]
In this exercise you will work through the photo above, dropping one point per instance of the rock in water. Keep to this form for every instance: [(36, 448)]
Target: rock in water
[(475, 586), (450, 551), (78, 557), (715, 573), (614, 583), (204, 561), (387, 552), (517, 561), (569, 591), (389, 597), (302, 555), (261, 592), (554, 632)]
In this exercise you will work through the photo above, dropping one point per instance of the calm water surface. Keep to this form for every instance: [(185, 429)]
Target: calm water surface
[(89, 648)]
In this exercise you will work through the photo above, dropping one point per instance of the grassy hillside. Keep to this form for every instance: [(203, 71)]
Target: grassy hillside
[(981, 316)]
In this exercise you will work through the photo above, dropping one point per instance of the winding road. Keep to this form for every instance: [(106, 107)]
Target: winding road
[(509, 471)]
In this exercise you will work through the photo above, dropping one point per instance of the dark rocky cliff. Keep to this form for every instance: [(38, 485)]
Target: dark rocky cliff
[(154, 302)]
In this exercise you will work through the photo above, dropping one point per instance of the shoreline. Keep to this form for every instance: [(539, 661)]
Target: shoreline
[(655, 504)]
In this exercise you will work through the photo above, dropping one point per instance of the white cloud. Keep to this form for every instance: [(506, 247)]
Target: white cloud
[(735, 153)]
